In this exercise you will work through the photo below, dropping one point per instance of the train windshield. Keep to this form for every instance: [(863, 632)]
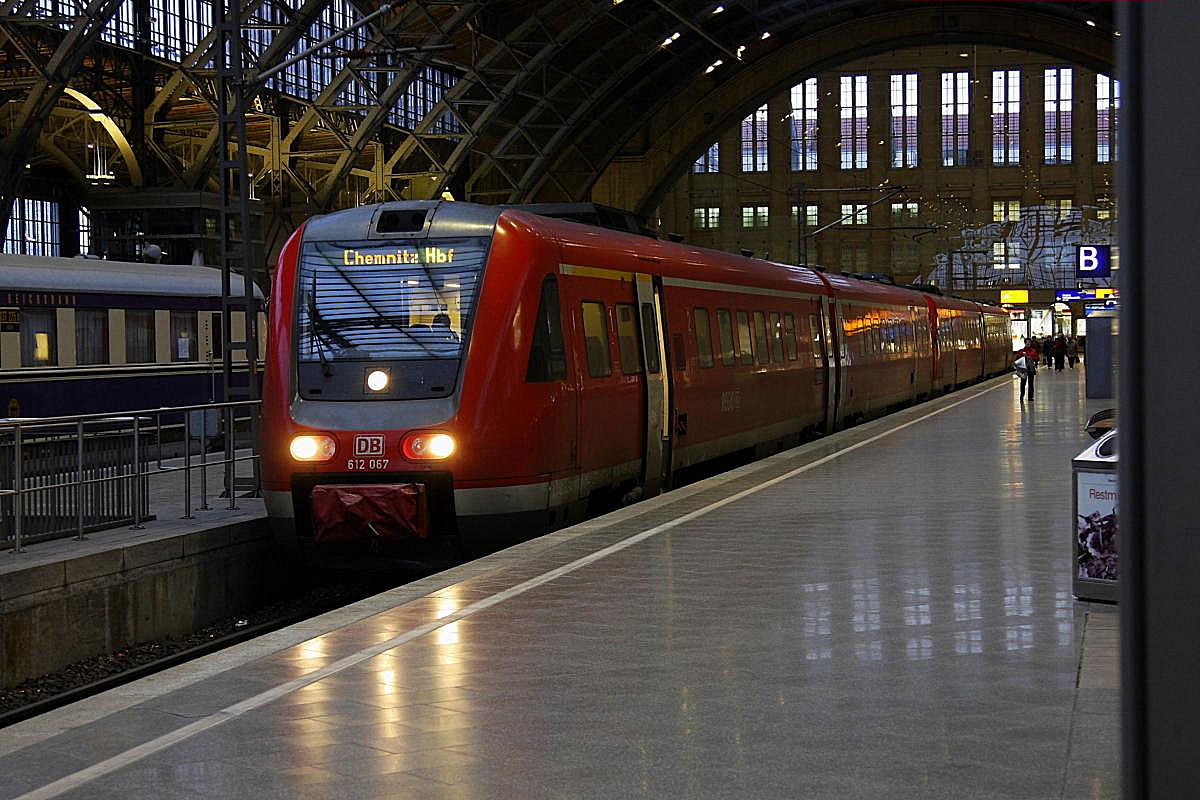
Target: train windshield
[(403, 307)]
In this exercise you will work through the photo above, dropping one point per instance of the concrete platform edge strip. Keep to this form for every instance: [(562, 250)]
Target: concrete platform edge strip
[(77, 779)]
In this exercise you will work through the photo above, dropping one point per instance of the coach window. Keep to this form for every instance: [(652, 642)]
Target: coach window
[(650, 337), (183, 336), (725, 332), (139, 336), (39, 337), (743, 329), (91, 336), (627, 343), (704, 354), (760, 338), (789, 336), (815, 330), (595, 339), (547, 356), (775, 329)]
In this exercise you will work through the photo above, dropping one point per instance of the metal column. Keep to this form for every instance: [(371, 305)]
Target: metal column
[(237, 240), (1160, 378)]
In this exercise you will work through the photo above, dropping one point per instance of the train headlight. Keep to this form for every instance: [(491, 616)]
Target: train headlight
[(428, 446), (377, 380), (313, 447)]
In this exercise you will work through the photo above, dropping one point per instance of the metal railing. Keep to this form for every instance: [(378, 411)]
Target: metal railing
[(72, 475)]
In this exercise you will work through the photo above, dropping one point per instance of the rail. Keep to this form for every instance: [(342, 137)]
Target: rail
[(73, 475)]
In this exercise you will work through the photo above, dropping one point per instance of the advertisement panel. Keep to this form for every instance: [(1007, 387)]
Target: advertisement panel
[(1096, 525)]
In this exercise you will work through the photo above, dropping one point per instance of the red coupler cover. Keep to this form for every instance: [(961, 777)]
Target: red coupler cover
[(361, 512)]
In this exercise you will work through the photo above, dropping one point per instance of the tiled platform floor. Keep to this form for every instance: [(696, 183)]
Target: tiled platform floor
[(891, 622)]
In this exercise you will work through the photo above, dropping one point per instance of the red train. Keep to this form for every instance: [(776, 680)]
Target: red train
[(440, 371)]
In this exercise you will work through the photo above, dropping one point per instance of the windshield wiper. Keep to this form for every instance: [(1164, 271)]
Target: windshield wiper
[(314, 335)]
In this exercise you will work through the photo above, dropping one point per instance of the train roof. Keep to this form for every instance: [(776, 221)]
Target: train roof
[(52, 274), (447, 219)]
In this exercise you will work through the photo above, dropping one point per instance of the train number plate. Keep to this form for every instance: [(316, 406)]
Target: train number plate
[(359, 464)]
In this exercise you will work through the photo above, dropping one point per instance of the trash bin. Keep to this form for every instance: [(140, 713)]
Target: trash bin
[(1094, 478)]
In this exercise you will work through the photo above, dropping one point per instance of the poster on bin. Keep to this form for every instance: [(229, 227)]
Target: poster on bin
[(1096, 525)]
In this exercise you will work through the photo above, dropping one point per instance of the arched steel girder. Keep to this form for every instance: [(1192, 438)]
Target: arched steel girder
[(277, 51), (493, 161), (675, 125), (376, 117), (45, 93), (564, 135), (479, 78)]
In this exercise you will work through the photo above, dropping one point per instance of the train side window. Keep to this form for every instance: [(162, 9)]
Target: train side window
[(775, 329), (650, 336), (39, 337), (744, 346), (725, 331), (704, 354), (91, 336), (547, 356), (139, 336), (815, 330), (680, 352), (595, 340), (183, 336), (631, 357), (760, 338), (789, 336)]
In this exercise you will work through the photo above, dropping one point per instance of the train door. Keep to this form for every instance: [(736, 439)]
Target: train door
[(915, 354), (837, 327), (656, 458), (829, 363)]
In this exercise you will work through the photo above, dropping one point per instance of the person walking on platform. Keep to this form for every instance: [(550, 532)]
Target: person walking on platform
[(1072, 352), (1025, 365), (1060, 352)]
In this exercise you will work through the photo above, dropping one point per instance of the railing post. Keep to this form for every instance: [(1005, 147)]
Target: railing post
[(204, 506), (137, 475), (158, 437), (18, 498), (230, 455), (79, 480), (187, 463)]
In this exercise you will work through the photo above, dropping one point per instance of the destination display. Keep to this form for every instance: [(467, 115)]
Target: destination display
[(401, 255)]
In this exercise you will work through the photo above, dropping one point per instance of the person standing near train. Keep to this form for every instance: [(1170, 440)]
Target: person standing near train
[(1025, 364)]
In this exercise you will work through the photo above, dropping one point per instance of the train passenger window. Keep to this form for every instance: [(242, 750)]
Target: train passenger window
[(39, 337), (725, 331), (183, 336), (815, 330), (743, 328), (704, 355), (789, 336), (680, 352), (139, 336), (595, 340), (650, 336), (547, 356), (775, 330), (627, 343), (760, 338), (91, 336)]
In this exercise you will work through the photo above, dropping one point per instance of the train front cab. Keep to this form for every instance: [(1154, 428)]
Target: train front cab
[(373, 314)]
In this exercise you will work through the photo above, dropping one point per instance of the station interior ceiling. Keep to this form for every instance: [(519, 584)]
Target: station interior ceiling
[(556, 101)]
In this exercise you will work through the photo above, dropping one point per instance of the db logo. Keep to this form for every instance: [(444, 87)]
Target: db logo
[(368, 444)]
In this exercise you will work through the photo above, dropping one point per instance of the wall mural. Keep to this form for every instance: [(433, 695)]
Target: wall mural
[(1037, 250)]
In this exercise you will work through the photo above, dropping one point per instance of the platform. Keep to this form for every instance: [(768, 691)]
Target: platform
[(883, 613)]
